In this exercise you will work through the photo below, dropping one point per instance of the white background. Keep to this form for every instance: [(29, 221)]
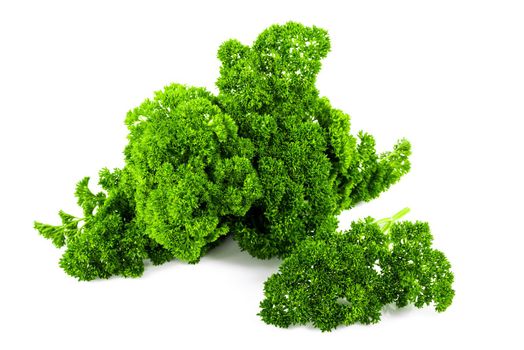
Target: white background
[(448, 75)]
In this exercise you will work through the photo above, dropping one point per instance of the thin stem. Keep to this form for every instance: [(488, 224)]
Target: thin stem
[(386, 223), (400, 214)]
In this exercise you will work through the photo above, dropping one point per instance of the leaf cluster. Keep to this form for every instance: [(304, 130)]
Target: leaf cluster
[(190, 169), (310, 166), (270, 162), (107, 240), (342, 278)]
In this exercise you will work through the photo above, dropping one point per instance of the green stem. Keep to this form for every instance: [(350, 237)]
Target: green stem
[(385, 224), (400, 214)]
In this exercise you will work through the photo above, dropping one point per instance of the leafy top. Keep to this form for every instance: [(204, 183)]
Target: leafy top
[(309, 164), (191, 170), (341, 278)]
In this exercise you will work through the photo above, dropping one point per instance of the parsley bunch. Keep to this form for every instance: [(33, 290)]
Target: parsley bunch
[(191, 171), (310, 166), (187, 176), (272, 163), (341, 278), (108, 240)]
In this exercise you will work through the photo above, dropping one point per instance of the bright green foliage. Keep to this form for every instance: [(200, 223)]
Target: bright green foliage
[(272, 162), (267, 159), (309, 165), (192, 172), (107, 240), (341, 278), (414, 272), (187, 176)]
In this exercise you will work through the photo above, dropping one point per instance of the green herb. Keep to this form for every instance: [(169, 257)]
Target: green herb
[(192, 172), (341, 278), (309, 164), (272, 163), (107, 240), (187, 175)]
